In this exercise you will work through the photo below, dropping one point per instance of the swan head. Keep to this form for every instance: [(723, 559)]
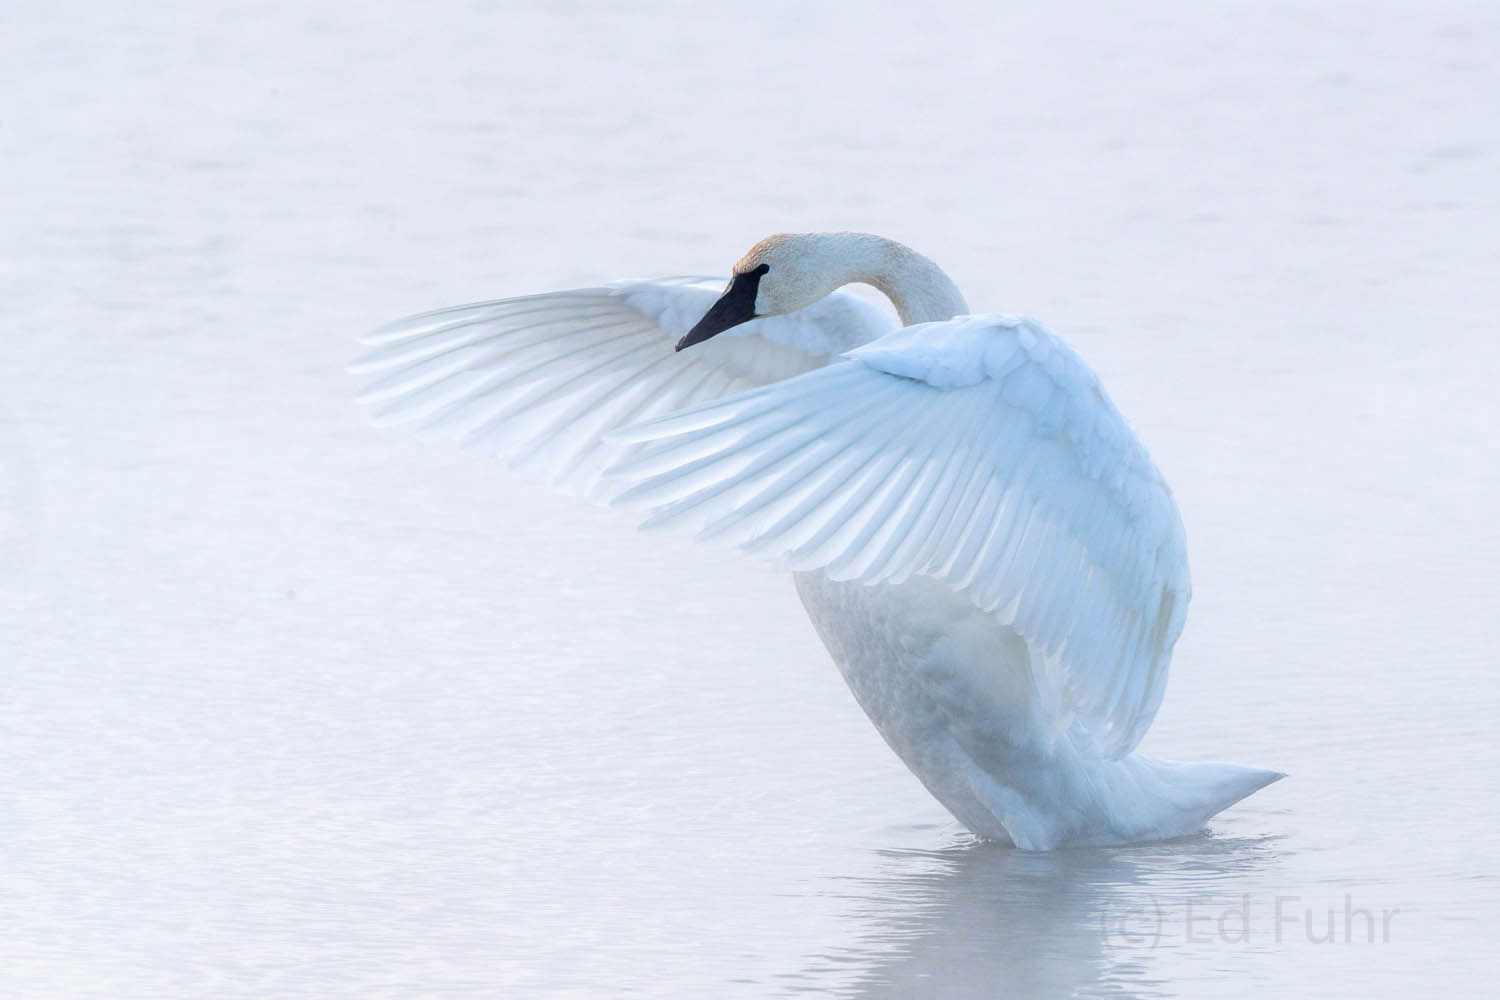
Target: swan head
[(780, 274), (790, 271)]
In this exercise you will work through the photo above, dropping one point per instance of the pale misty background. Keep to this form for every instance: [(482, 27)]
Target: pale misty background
[(291, 706)]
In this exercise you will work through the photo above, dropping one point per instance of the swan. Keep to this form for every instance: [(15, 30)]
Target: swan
[(984, 547)]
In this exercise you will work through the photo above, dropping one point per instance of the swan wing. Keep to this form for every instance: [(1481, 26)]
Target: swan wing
[(980, 451), (541, 379)]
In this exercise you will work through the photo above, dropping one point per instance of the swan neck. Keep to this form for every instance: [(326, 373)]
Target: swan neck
[(916, 286)]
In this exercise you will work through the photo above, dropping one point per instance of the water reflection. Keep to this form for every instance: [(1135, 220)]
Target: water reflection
[(982, 920)]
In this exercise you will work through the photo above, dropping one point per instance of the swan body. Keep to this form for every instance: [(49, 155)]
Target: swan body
[(984, 547), (955, 695)]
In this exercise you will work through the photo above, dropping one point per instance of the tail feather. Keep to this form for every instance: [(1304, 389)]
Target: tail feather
[(1186, 796)]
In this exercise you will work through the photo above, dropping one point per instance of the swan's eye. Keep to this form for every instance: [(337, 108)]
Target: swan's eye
[(754, 272)]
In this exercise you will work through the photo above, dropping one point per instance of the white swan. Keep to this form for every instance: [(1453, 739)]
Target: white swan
[(985, 548)]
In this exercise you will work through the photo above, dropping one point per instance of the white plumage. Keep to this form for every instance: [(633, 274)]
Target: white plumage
[(980, 452), (986, 548), (542, 378)]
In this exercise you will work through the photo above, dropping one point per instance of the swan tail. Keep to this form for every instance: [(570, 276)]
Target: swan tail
[(1183, 797)]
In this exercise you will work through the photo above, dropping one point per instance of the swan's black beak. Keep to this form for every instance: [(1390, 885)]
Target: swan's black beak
[(735, 306)]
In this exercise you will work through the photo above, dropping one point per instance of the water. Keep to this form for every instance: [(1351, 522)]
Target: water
[(296, 707)]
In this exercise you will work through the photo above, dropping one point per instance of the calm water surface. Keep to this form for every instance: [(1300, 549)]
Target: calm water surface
[(295, 707)]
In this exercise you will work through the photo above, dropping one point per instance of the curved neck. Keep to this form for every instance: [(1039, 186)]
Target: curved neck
[(917, 287)]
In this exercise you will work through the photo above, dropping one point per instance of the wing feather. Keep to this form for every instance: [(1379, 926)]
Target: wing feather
[(981, 452), (543, 380)]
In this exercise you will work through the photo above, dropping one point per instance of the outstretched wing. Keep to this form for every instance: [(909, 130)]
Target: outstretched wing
[(541, 379), (980, 451)]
